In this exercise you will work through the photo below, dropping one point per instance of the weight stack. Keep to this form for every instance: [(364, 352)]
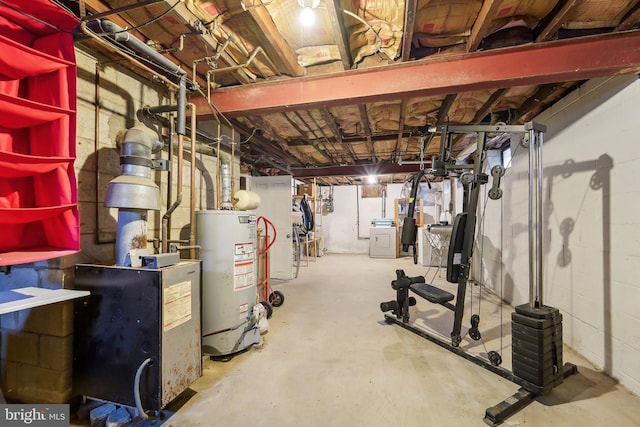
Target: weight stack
[(537, 347)]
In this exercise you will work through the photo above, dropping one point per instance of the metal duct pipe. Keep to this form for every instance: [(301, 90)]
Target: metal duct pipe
[(384, 203), (180, 108), (134, 192), (225, 189), (106, 28), (169, 72), (85, 30)]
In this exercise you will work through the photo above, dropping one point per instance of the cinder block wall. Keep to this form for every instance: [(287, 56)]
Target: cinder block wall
[(37, 354), (36, 345), (590, 229)]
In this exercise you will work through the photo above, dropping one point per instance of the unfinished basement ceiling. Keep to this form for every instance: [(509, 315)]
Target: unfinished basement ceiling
[(353, 93)]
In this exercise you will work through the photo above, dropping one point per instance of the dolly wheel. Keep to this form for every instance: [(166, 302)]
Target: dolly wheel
[(268, 307), (276, 298)]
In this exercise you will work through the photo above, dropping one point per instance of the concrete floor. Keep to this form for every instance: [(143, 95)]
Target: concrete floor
[(330, 359)]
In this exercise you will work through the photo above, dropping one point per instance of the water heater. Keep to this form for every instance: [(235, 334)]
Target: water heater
[(228, 244)]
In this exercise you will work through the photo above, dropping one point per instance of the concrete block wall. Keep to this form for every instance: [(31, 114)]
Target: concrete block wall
[(591, 229), (37, 354), (36, 345)]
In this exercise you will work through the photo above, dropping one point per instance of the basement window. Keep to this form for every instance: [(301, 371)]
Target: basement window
[(499, 156), (506, 156)]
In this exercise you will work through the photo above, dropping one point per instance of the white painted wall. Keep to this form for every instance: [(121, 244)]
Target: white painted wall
[(346, 230), (591, 224)]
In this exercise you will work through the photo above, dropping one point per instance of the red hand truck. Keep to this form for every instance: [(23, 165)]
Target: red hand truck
[(268, 297)]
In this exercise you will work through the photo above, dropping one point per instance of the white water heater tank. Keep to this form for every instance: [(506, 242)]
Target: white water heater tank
[(229, 269)]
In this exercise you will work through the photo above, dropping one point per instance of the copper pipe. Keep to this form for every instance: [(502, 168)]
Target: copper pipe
[(180, 130), (96, 150), (166, 234), (218, 180), (192, 206), (233, 157)]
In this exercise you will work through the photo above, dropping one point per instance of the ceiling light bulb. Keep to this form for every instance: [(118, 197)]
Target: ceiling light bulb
[(307, 16), (372, 179), (309, 3)]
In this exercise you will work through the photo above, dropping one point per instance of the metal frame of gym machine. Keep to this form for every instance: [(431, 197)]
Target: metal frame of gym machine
[(460, 254)]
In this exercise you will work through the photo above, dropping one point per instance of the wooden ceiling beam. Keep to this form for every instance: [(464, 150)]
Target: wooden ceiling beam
[(184, 16), (339, 32), (277, 49), (534, 64), (409, 20), (304, 135), (488, 10), (268, 145), (331, 122), (545, 96), (631, 18), (488, 106), (443, 111), (337, 133), (367, 130), (327, 138), (548, 27), (403, 118)]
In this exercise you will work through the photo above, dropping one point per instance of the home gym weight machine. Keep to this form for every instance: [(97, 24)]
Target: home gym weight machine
[(536, 328)]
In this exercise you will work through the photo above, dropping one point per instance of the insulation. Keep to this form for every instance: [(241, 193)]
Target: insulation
[(286, 16), (225, 20), (440, 23), (384, 116), (515, 97), (596, 14), (386, 18), (523, 13), (466, 104), (348, 119), (422, 111), (314, 55)]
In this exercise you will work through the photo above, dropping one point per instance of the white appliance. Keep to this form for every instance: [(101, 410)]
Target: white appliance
[(382, 238)]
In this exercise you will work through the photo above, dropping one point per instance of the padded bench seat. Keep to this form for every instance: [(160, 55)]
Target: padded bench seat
[(431, 293)]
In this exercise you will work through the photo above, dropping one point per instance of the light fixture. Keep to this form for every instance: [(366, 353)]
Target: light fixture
[(307, 16), (372, 179), (309, 3)]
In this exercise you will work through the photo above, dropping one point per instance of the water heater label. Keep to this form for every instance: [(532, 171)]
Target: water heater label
[(176, 300), (243, 266), (244, 310)]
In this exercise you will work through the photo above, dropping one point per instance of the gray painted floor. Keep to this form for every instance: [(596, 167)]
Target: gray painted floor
[(329, 359)]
